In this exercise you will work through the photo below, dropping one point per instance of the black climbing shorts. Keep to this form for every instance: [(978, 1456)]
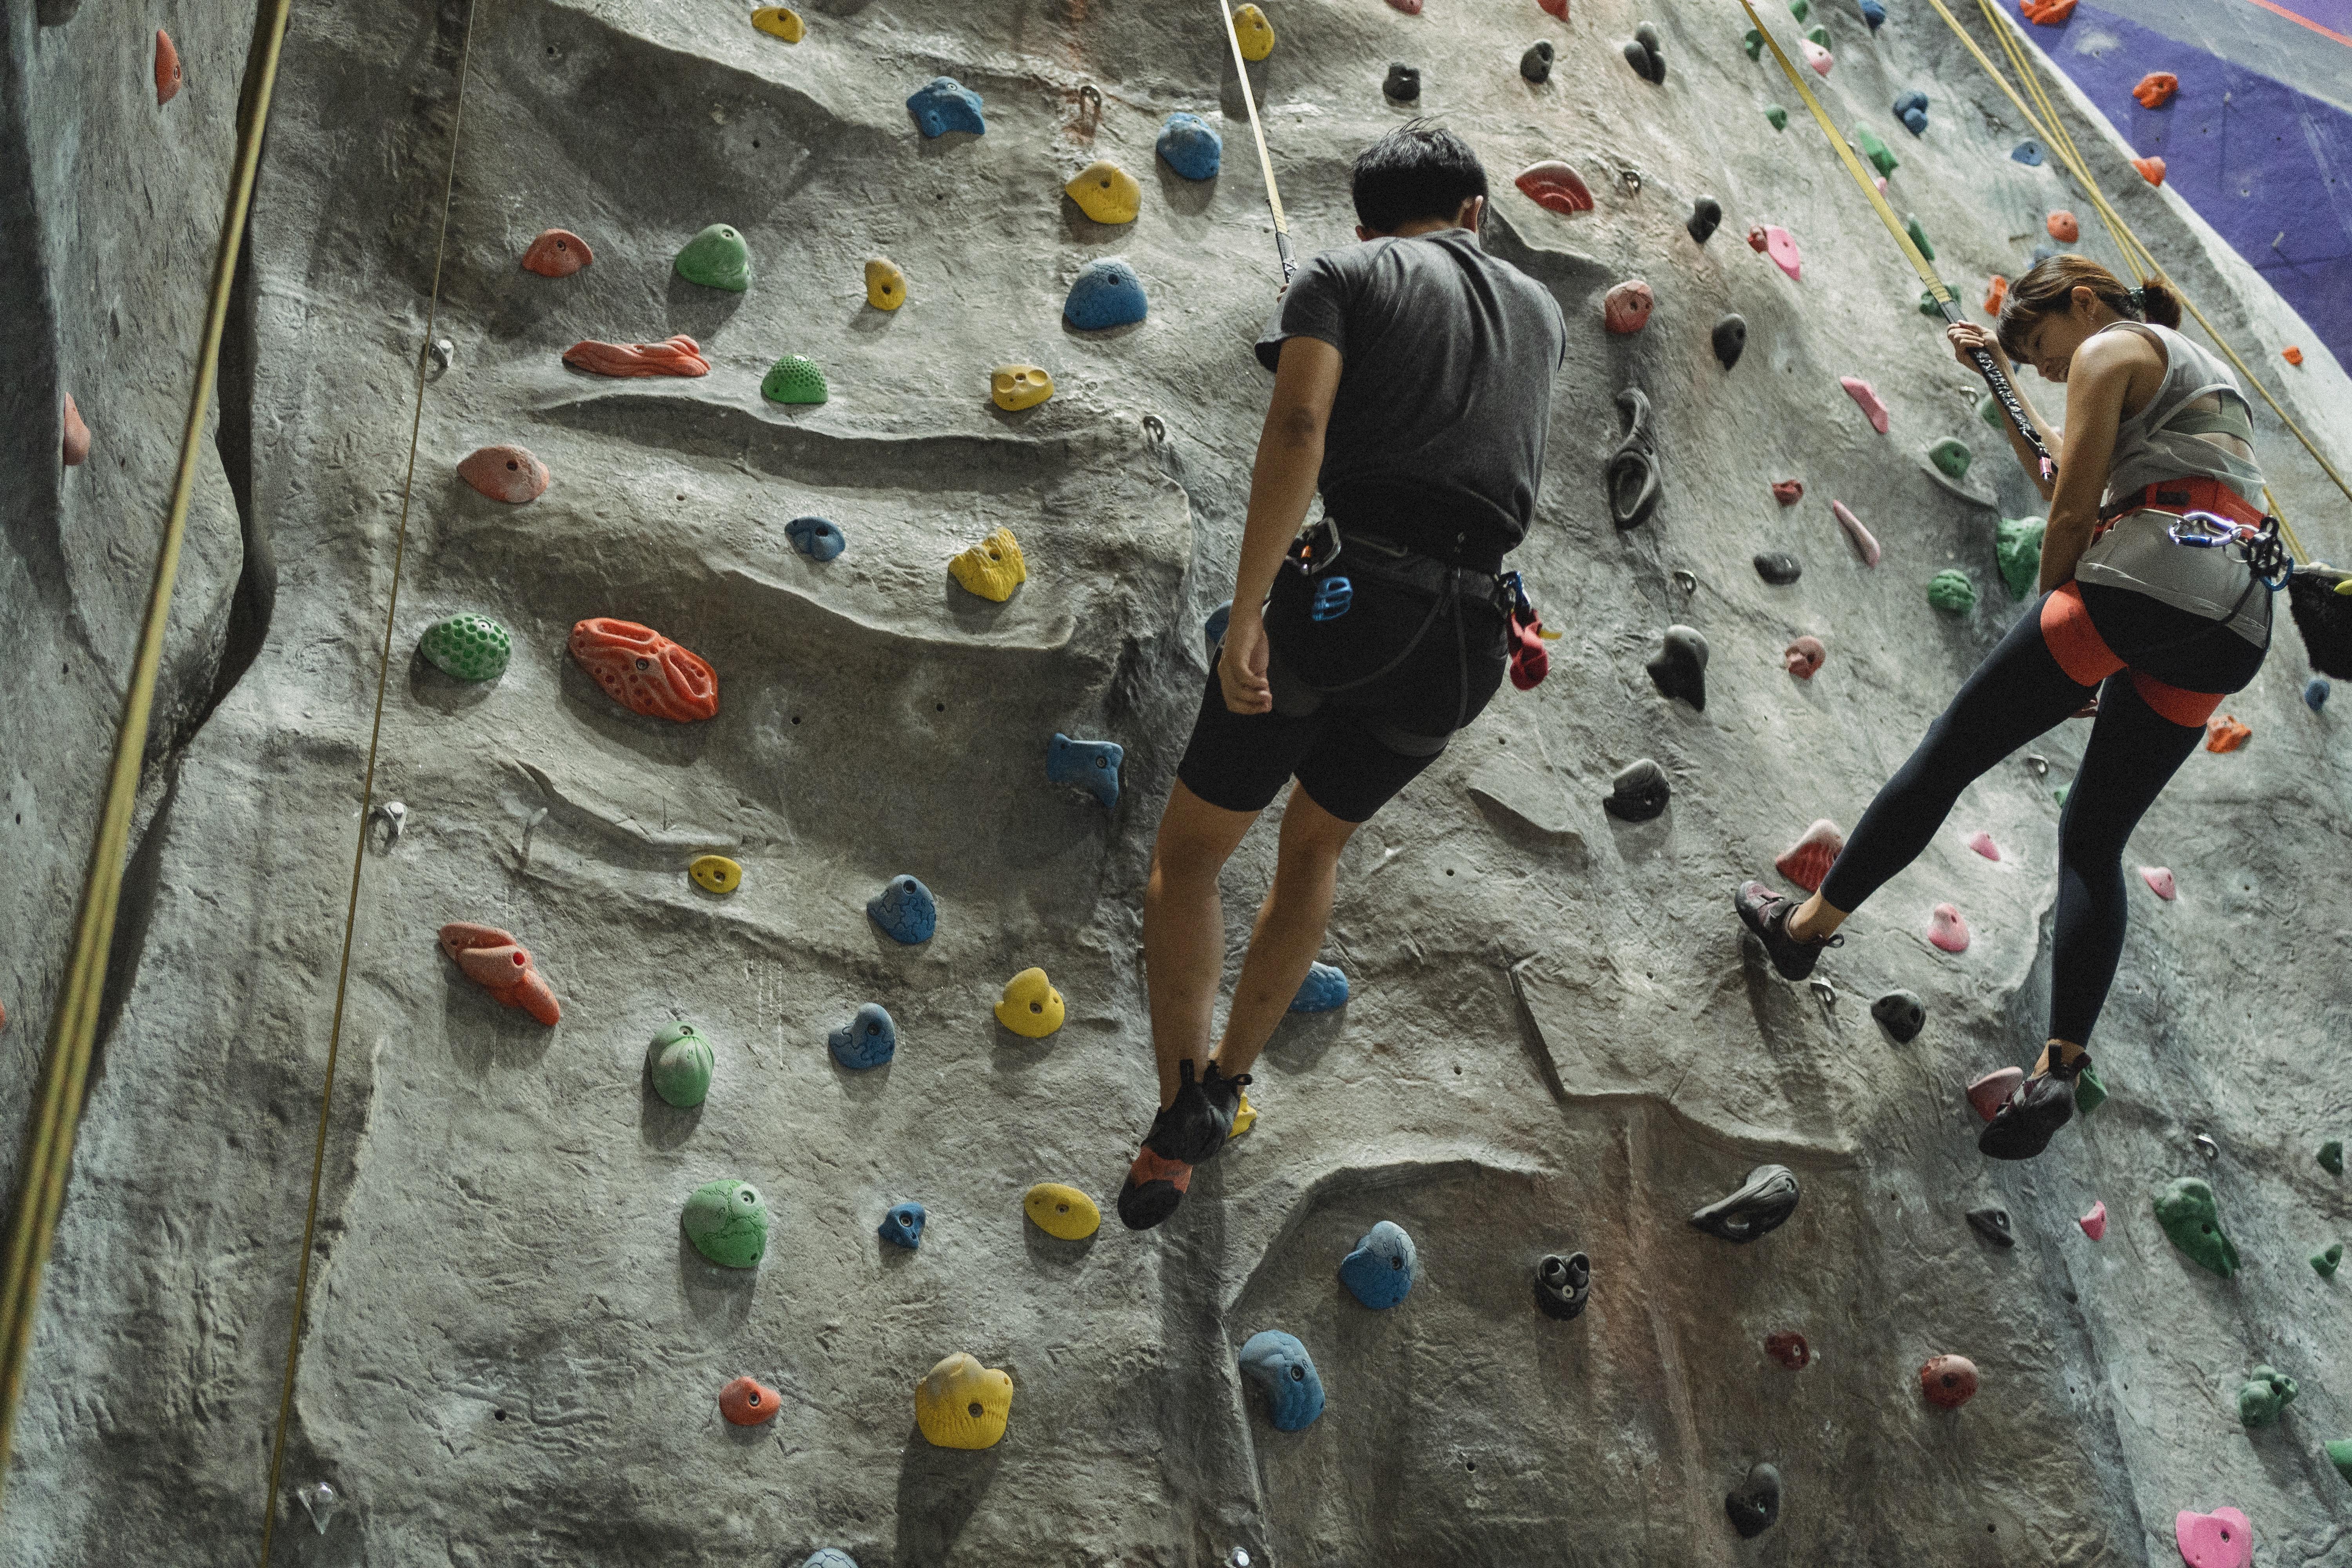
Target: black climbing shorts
[(1351, 751)]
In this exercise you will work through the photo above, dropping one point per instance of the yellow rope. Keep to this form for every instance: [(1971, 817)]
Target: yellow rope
[(48, 1161), (1264, 163)]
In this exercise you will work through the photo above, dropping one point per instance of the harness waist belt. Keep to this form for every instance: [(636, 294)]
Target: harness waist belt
[(2197, 493)]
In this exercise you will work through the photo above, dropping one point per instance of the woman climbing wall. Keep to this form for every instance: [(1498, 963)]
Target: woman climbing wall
[(2155, 614)]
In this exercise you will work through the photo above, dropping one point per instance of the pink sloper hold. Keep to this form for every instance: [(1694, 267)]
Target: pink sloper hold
[(1986, 1095), (1809, 859), (1626, 308), (1866, 397), (1816, 57), (77, 438), (505, 473), (1781, 247), (2222, 1538), (1803, 656), (1982, 842), (1946, 930), (2159, 882), (2094, 1224), (1864, 544)]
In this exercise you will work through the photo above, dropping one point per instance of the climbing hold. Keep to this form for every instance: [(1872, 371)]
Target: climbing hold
[(1625, 309), (2222, 1538), (1787, 492), (1989, 1093), (1643, 53), (1996, 295), (905, 911), (1381, 1270), (1062, 1211), (1638, 792), (1911, 108), (167, 69), (467, 648), (1324, 989), (1730, 339), (1253, 32), (2090, 1094), (1554, 186), (2095, 1223), (819, 537), (645, 671), (2339, 1453), (1901, 1013), (1982, 842), (2046, 13), (717, 259), (1632, 471), (1245, 1115), (1993, 1225), (1106, 193), (796, 378), (2326, 1261), (2156, 88), (1819, 35), (1781, 247), (991, 568), (505, 473), (886, 285), (75, 448), (1882, 157), (1788, 1348), (557, 253), (1564, 1285), (2314, 693), (1403, 84), (2017, 548), (1803, 655), (1680, 668), (2264, 1396), (1809, 859), (1106, 293), (1779, 118), (1820, 59), (1755, 1503), (867, 1040), (1951, 457), (780, 22), (2186, 1210), (716, 874), (2331, 1156), (1946, 930), (1777, 567), (1279, 1364), (728, 1223), (678, 355), (1952, 590), (679, 1062), (2291, 354), (1014, 388), (748, 1403), (1800, 10), (1707, 216), (2160, 882), (1948, 1381), (903, 1225), (1191, 146), (943, 104), (2224, 733), (2062, 227), (500, 965), (1554, 7), (2027, 153), (1029, 1005), (1092, 766), (1858, 536), (2151, 169), (960, 1403), (1866, 397), (1763, 1203), (1536, 64)]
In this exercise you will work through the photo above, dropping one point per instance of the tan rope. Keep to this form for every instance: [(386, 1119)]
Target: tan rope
[(1264, 162)]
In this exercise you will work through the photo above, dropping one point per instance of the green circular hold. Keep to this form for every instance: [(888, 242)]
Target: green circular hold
[(1989, 410), (1753, 42), (796, 378), (1777, 115), (1951, 590), (469, 647), (679, 1063), (728, 1223), (717, 259), (1951, 456)]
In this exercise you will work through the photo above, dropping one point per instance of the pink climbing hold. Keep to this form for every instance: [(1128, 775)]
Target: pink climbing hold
[(1946, 930), (2159, 882), (1803, 656), (1755, 237), (1781, 247), (167, 69), (505, 473), (1947, 1382), (1556, 7), (1866, 397), (677, 355), (1787, 492), (1816, 57), (2094, 1224), (1626, 308), (1982, 842), (1809, 859), (77, 441), (1864, 544), (2222, 1538), (557, 253), (1987, 1094), (1409, 7), (1555, 188)]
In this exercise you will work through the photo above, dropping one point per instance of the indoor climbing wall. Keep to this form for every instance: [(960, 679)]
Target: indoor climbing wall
[(835, 429)]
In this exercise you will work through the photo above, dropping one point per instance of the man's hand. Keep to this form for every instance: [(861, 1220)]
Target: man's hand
[(1241, 665)]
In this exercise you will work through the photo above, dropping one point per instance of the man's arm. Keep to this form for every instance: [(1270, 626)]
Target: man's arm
[(2096, 384), (1289, 458)]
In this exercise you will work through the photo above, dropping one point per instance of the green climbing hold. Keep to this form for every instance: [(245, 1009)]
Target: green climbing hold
[(1777, 115), (1927, 306), (2089, 1092), (2340, 1456), (2017, 545), (1950, 589), (796, 378), (2265, 1392), (678, 1061), (1819, 35), (2060, 793), (1989, 410), (717, 259), (1754, 44), (2331, 1156), (728, 1223), (1882, 157), (469, 647), (1800, 9), (2186, 1210), (1951, 456), (2325, 1261), (1918, 235)]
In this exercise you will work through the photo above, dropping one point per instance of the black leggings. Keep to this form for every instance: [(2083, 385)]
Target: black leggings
[(2018, 692)]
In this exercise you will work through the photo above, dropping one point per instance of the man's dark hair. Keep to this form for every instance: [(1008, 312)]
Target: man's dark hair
[(1417, 171)]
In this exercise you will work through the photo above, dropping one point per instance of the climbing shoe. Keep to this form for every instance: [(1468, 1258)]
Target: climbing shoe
[(2036, 1108), (1767, 913), (1183, 1135)]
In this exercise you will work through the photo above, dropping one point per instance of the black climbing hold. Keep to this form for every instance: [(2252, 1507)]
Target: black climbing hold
[(1763, 1203), (1707, 214), (1993, 1225), (1777, 567), (1536, 64), (1901, 1013), (1631, 473), (1647, 53), (1403, 83), (1638, 792), (1730, 339), (1754, 1505), (1562, 1284), (1680, 668)]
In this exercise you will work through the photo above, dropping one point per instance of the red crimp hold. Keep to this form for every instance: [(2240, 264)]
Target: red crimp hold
[(2156, 90), (500, 965), (644, 671)]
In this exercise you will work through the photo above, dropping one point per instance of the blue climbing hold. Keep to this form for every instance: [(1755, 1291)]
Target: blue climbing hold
[(1278, 1364), (866, 1041), (1092, 766), (1873, 13), (943, 104), (1213, 630), (1381, 1270), (2027, 153), (2044, 251), (903, 1225), (905, 911), (1107, 293), (830, 1557), (2314, 693), (1191, 145), (1324, 989), (1911, 109), (818, 537)]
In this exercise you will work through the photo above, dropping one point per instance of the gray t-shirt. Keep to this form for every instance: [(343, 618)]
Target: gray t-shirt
[(1437, 431)]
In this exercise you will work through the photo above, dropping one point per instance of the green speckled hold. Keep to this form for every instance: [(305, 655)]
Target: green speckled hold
[(1918, 235), (1754, 44), (1777, 115), (1882, 157), (2325, 1261), (2089, 1092), (1951, 456), (2186, 1210), (679, 1062), (1951, 590), (2263, 1395), (728, 1223), (469, 647), (717, 259), (1819, 35), (2331, 1156), (2017, 546), (796, 378)]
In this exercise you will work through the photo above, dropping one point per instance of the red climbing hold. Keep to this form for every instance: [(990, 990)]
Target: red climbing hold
[(77, 441), (2046, 13), (2094, 1224), (1626, 308), (1803, 656), (644, 671), (1987, 1092), (1866, 397), (2290, 353), (2151, 169), (1409, 7), (1555, 188), (1787, 492), (2156, 90), (1788, 1348), (505, 473), (167, 68), (1982, 842), (1948, 1381), (1756, 238), (1858, 536), (2062, 227), (679, 355), (500, 965), (1809, 859), (748, 1403), (557, 253), (2159, 882), (1946, 930), (1995, 294), (2224, 733), (1556, 7)]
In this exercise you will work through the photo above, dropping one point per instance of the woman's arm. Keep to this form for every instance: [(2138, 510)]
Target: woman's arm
[(1289, 458), (1966, 339), (2096, 384)]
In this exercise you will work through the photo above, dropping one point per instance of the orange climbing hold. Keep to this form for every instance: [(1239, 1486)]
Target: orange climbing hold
[(2062, 227), (2046, 13), (2224, 733), (1555, 7), (747, 1402), (505, 473), (557, 253), (2291, 354), (1788, 1348), (679, 355), (167, 68), (1949, 1382), (2156, 90), (500, 965), (1555, 188), (77, 441), (1787, 492), (1626, 308), (644, 671), (1804, 657), (1995, 294), (2151, 169)]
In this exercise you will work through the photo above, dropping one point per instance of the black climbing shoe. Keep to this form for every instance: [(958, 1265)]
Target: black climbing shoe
[(2034, 1110), (1225, 1098), (1767, 913), (1632, 475), (1183, 1136)]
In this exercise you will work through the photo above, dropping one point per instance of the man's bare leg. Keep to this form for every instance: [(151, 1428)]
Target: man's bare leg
[(1290, 927), (1184, 929)]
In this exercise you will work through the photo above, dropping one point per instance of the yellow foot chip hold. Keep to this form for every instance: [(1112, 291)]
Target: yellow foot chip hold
[(993, 569), (1014, 388), (780, 22), (716, 874), (1245, 1115), (1253, 32), (1062, 1211), (886, 285), (1106, 193), (963, 1405), (1031, 1005)]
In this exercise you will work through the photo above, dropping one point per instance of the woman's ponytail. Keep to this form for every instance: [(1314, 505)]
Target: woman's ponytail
[(2158, 304)]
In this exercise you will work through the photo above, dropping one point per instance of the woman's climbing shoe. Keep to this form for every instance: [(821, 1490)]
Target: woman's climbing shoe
[(1767, 913), (1633, 472), (1183, 1135), (2037, 1108)]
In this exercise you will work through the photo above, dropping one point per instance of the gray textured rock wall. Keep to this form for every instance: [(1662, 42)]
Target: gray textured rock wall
[(512, 1354)]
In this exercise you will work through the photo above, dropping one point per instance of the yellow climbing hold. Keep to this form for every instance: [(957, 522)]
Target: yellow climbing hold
[(1014, 388), (780, 22), (993, 569), (716, 874), (1062, 1211), (1245, 1115), (1254, 32), (960, 1403), (1031, 1005), (886, 285), (1106, 193)]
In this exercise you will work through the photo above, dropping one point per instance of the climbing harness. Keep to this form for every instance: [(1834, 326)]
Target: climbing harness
[(1264, 163)]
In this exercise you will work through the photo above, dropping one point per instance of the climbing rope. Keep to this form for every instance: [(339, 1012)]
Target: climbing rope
[(367, 798), (65, 1071), (1264, 163)]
